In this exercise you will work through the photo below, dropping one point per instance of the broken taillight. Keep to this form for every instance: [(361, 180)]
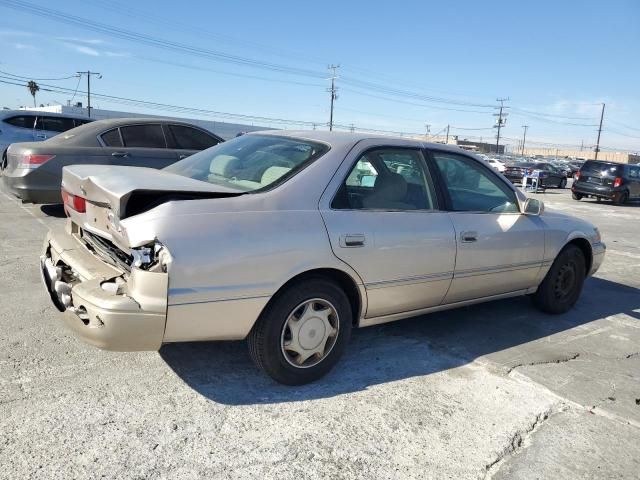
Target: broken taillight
[(32, 160), (74, 202), (617, 182)]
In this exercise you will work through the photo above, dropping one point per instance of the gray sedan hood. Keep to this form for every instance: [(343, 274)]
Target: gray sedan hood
[(116, 185)]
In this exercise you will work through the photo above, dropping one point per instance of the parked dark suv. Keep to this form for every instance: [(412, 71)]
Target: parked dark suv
[(614, 181), (549, 175)]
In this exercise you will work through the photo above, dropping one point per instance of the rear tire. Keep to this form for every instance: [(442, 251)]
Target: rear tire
[(621, 198), (561, 287), (576, 196), (291, 326)]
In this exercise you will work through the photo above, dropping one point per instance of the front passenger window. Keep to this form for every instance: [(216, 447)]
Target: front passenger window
[(472, 187)]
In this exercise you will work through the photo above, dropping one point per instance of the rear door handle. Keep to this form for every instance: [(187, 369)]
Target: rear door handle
[(469, 237), (120, 154), (352, 240)]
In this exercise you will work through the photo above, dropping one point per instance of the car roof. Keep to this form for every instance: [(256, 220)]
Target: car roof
[(40, 113), (350, 138)]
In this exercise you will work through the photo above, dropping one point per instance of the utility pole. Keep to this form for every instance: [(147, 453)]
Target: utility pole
[(428, 125), (332, 91), (581, 144), (88, 73), (447, 140), (352, 127), (599, 131), (501, 120), (524, 137)]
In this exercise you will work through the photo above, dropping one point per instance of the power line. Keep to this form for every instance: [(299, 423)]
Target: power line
[(154, 41), (40, 79)]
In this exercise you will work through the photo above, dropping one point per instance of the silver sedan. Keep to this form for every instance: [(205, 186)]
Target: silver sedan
[(291, 239)]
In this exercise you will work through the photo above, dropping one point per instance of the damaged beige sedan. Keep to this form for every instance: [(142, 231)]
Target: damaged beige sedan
[(291, 239)]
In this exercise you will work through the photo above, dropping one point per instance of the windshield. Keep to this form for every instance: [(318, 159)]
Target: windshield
[(250, 162)]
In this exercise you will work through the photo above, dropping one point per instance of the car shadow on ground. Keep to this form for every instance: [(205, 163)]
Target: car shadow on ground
[(627, 204), (223, 371), (53, 210)]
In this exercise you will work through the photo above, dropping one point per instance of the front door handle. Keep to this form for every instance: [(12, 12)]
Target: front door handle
[(469, 237), (120, 154), (352, 240), (182, 156)]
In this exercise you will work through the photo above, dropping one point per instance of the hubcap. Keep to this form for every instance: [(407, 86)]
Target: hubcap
[(309, 333), (565, 281)]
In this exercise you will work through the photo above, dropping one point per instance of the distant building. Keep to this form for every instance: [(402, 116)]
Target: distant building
[(222, 129), (586, 154)]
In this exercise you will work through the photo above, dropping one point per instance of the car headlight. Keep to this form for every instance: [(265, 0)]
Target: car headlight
[(154, 257)]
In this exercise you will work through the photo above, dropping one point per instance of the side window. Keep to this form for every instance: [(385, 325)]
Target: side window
[(145, 136), (188, 138), (112, 138), (387, 179), (473, 188), (57, 124), (634, 172), (22, 121)]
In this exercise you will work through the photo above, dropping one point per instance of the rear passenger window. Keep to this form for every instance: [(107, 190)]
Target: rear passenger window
[(387, 179), (472, 187), (145, 136), (188, 138), (57, 124), (112, 138), (22, 121)]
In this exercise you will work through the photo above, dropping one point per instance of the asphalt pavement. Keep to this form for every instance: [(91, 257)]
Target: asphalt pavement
[(498, 390)]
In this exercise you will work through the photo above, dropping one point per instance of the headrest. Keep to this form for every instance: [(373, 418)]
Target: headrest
[(272, 174), (224, 165)]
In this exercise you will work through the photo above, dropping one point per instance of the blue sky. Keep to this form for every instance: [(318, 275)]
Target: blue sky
[(557, 59)]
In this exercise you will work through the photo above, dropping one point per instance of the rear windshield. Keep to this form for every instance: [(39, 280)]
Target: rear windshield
[(604, 169), (250, 162)]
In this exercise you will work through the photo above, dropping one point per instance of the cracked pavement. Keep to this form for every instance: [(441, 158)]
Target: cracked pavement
[(498, 390)]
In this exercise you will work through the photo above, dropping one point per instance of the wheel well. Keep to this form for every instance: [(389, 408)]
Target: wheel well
[(345, 282), (585, 246)]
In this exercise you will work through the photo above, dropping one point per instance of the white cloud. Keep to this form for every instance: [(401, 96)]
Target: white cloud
[(86, 50), (117, 54), (88, 41), (15, 33), (24, 46)]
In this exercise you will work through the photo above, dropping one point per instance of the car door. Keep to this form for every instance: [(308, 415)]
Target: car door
[(499, 249), (186, 140), (383, 219), (144, 145)]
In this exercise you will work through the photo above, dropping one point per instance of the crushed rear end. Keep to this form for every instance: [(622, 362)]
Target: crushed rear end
[(107, 303)]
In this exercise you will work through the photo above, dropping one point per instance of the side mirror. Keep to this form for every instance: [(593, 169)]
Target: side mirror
[(533, 207)]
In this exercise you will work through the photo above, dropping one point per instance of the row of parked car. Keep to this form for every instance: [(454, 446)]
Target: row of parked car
[(36, 146), (598, 179)]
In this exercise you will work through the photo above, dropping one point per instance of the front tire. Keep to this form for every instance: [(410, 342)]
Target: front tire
[(576, 196), (561, 287), (303, 332)]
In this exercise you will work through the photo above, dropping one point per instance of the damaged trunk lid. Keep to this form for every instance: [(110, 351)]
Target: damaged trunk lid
[(97, 197)]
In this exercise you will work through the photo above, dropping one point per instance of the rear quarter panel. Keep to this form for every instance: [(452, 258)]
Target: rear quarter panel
[(227, 265)]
